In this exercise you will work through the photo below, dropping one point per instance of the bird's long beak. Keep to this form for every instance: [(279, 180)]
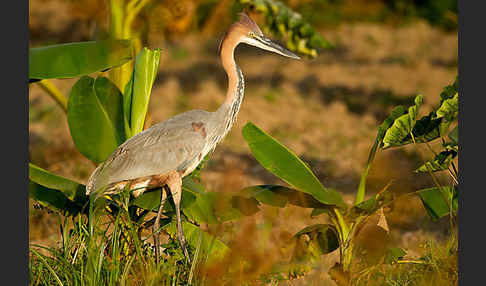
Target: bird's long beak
[(265, 43)]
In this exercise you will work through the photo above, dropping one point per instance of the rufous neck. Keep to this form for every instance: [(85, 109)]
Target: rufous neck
[(228, 111), (228, 60)]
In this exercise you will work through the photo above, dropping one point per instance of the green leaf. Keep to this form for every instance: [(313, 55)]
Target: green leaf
[(318, 212), (77, 59), (69, 188), (197, 204), (454, 135), (280, 196), (322, 237), (440, 162), (449, 91), (396, 112), (190, 185), (150, 200), (371, 205), (211, 247), (56, 192), (53, 199), (280, 161), (449, 108), (436, 201), (127, 107), (394, 254), (448, 112), (402, 126), (95, 117), (215, 207), (202, 210), (268, 194), (426, 129), (429, 127), (139, 88)]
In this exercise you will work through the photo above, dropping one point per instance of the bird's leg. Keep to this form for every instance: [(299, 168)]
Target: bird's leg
[(174, 182), (155, 229)]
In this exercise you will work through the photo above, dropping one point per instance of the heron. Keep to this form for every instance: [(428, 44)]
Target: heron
[(160, 156)]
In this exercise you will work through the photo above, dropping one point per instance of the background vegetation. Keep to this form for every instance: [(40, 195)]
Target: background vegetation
[(363, 59)]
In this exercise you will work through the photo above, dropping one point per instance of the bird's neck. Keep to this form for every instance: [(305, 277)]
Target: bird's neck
[(236, 85)]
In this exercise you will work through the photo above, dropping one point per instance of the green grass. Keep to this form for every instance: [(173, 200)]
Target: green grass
[(113, 255), (116, 255), (438, 266)]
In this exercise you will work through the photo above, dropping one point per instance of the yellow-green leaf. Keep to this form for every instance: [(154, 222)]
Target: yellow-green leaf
[(49, 180), (139, 88), (280, 161), (95, 117), (77, 59)]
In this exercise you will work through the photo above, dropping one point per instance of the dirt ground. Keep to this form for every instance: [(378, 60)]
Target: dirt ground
[(326, 110)]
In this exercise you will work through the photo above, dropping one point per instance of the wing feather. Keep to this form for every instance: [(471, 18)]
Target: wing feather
[(171, 145)]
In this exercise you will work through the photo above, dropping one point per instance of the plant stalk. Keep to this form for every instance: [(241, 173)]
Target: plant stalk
[(55, 93), (117, 19), (345, 252), (360, 194)]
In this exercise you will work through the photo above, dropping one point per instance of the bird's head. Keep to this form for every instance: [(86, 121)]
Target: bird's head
[(245, 30)]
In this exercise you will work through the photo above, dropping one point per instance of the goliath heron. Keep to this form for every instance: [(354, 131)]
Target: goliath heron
[(163, 154)]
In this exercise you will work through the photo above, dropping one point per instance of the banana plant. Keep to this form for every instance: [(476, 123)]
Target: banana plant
[(113, 54), (402, 127), (283, 163), (100, 118)]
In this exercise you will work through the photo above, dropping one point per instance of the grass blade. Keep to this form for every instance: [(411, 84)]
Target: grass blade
[(48, 266)]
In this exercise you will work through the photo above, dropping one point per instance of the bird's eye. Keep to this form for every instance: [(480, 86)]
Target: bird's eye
[(251, 34)]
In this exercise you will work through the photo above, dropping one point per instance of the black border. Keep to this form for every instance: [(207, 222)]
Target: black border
[(471, 143), (15, 131)]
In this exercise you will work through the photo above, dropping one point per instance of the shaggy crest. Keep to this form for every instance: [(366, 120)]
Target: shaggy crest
[(245, 21)]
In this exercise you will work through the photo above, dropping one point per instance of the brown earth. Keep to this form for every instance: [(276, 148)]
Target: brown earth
[(326, 110)]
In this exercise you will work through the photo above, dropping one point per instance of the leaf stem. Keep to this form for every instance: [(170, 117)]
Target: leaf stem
[(362, 185), (343, 231), (445, 196), (132, 10), (411, 262), (55, 93), (360, 194)]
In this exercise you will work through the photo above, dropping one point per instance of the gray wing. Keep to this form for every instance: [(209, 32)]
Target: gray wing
[(168, 146)]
